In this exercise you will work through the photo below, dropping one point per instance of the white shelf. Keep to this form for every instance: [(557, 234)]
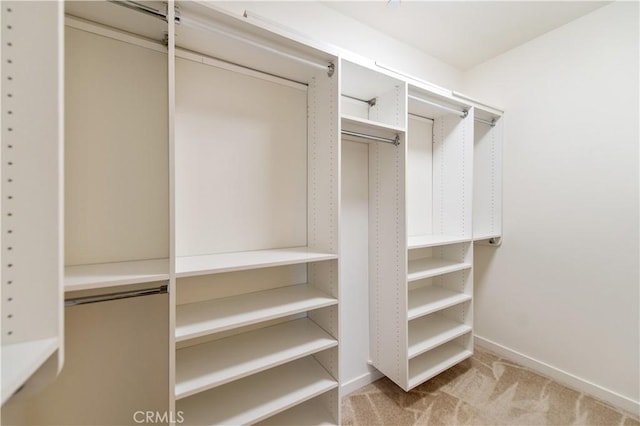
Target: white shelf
[(187, 266), (485, 237), (208, 365), (430, 267), (310, 413), (426, 300), (421, 241), (260, 396), (199, 319), (430, 332), (86, 277), (21, 360), (348, 120), (435, 362)]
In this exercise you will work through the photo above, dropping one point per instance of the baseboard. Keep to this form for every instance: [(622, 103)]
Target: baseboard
[(360, 381), (562, 377)]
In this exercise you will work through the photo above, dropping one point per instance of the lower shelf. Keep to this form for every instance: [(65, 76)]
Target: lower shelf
[(21, 360), (310, 413), (434, 362), (427, 333), (259, 396)]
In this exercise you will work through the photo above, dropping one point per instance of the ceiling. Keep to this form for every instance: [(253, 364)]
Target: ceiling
[(464, 33)]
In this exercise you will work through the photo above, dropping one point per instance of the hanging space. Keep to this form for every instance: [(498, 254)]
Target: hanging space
[(116, 227), (373, 238), (256, 225)]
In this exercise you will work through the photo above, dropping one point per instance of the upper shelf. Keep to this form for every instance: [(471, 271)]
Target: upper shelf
[(21, 360), (421, 241), (86, 277), (187, 266), (350, 121)]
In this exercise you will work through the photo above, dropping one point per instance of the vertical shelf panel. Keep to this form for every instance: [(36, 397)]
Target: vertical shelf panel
[(32, 135)]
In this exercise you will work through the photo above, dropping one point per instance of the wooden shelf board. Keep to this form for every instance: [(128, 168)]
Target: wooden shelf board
[(187, 266), (434, 362), (21, 360), (259, 396), (310, 413), (421, 241), (430, 267), (353, 120), (427, 333), (426, 300), (202, 318), (212, 364), (102, 275)]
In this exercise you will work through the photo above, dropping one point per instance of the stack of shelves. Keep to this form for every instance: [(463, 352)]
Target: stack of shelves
[(256, 267)]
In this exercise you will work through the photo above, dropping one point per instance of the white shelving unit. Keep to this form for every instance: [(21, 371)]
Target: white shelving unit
[(256, 223), (32, 139)]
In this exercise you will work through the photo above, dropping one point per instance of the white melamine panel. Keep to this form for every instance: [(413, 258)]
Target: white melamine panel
[(31, 224), (259, 396), (421, 241), (226, 262), (241, 162), (350, 121), (432, 331), (199, 319), (86, 277), (206, 366), (310, 413), (487, 180), (116, 153), (434, 362), (429, 299), (419, 177), (388, 259)]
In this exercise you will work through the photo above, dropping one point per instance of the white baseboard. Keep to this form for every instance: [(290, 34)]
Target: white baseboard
[(360, 381), (562, 377)]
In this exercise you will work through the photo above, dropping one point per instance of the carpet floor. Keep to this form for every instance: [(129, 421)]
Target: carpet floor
[(483, 390)]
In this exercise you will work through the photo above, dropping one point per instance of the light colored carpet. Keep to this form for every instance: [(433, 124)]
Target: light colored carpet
[(483, 390)]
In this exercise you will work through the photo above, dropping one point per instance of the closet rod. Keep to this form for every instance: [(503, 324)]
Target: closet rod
[(395, 141), (420, 116), (329, 68), (115, 296), (371, 101), (461, 114), (139, 7), (491, 123)]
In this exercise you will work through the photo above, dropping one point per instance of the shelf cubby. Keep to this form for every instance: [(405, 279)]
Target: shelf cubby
[(432, 298), (212, 364), (430, 331), (259, 396), (428, 262), (216, 315), (434, 362), (309, 413)]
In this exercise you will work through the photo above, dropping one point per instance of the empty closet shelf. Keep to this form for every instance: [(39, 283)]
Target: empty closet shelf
[(426, 300), (308, 413), (208, 365), (202, 318), (86, 277), (349, 121), (434, 362), (430, 267), (427, 333), (187, 266), (260, 396), (435, 240)]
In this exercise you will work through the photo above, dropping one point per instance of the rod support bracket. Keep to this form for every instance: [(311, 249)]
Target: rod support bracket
[(396, 141), (331, 69), (465, 113)]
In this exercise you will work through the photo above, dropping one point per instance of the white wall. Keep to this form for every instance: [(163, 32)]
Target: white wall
[(323, 24), (563, 290)]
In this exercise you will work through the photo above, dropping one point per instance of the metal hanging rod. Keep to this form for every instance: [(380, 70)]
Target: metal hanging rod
[(395, 141), (371, 101), (461, 114), (491, 123), (421, 116), (114, 296), (139, 7), (194, 23)]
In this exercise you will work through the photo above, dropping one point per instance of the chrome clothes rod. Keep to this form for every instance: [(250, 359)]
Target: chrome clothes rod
[(139, 7), (491, 123), (115, 296), (184, 20), (461, 114), (395, 141)]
